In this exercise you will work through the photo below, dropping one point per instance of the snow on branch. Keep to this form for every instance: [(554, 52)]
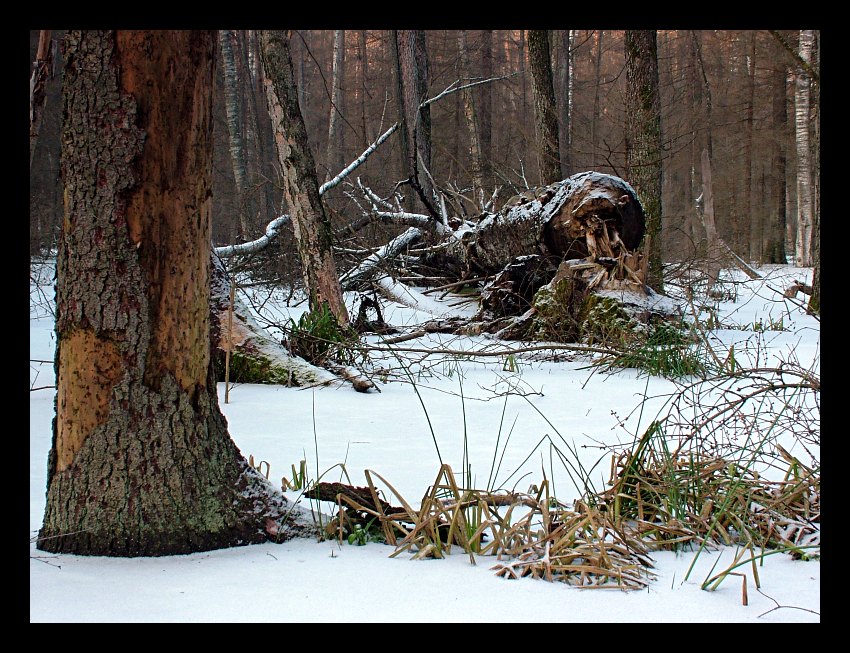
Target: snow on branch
[(350, 279), (358, 161), (272, 230)]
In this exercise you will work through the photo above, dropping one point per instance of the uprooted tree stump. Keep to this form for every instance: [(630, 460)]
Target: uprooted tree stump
[(562, 258)]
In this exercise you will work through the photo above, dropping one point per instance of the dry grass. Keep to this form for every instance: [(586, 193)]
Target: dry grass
[(656, 501)]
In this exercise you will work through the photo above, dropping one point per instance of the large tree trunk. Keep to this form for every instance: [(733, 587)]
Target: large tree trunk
[(643, 138), (545, 112), (802, 104), (312, 227), (141, 462)]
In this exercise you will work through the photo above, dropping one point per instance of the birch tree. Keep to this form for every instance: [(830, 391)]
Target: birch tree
[(802, 115)]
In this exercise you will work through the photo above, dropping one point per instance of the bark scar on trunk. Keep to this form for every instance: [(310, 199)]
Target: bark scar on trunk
[(84, 390)]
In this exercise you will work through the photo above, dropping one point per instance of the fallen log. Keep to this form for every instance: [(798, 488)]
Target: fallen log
[(587, 215)]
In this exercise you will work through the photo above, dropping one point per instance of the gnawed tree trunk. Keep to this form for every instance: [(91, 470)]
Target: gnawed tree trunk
[(313, 231), (141, 461)]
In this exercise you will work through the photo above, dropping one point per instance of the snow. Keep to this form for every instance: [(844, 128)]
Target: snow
[(402, 433)]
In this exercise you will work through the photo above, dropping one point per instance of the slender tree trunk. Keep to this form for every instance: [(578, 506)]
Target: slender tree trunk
[(643, 139), (802, 115), (363, 65), (235, 121), (141, 461), (814, 300), (753, 214), (312, 227), (594, 118), (774, 245), (485, 113), (471, 114), (413, 75), (335, 153), (405, 141), (546, 116), (562, 94), (42, 69)]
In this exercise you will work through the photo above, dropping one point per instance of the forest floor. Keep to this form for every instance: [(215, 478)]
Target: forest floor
[(490, 416)]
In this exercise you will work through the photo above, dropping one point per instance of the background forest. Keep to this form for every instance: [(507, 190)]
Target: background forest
[(738, 93)]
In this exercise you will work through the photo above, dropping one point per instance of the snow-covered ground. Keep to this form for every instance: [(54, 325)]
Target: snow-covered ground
[(498, 410)]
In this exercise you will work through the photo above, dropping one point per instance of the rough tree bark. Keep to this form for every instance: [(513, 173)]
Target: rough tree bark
[(643, 138), (545, 112), (141, 461), (313, 231), (42, 69)]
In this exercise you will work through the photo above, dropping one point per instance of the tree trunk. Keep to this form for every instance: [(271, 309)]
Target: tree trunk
[(313, 231), (814, 301), (235, 120), (774, 246), (485, 113), (752, 213), (802, 115), (594, 118), (141, 462), (563, 100), (412, 65), (363, 65), (335, 153), (546, 116), (471, 115), (42, 69), (643, 138)]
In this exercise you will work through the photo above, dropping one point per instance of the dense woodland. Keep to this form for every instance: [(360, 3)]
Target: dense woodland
[(739, 92), (147, 146)]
